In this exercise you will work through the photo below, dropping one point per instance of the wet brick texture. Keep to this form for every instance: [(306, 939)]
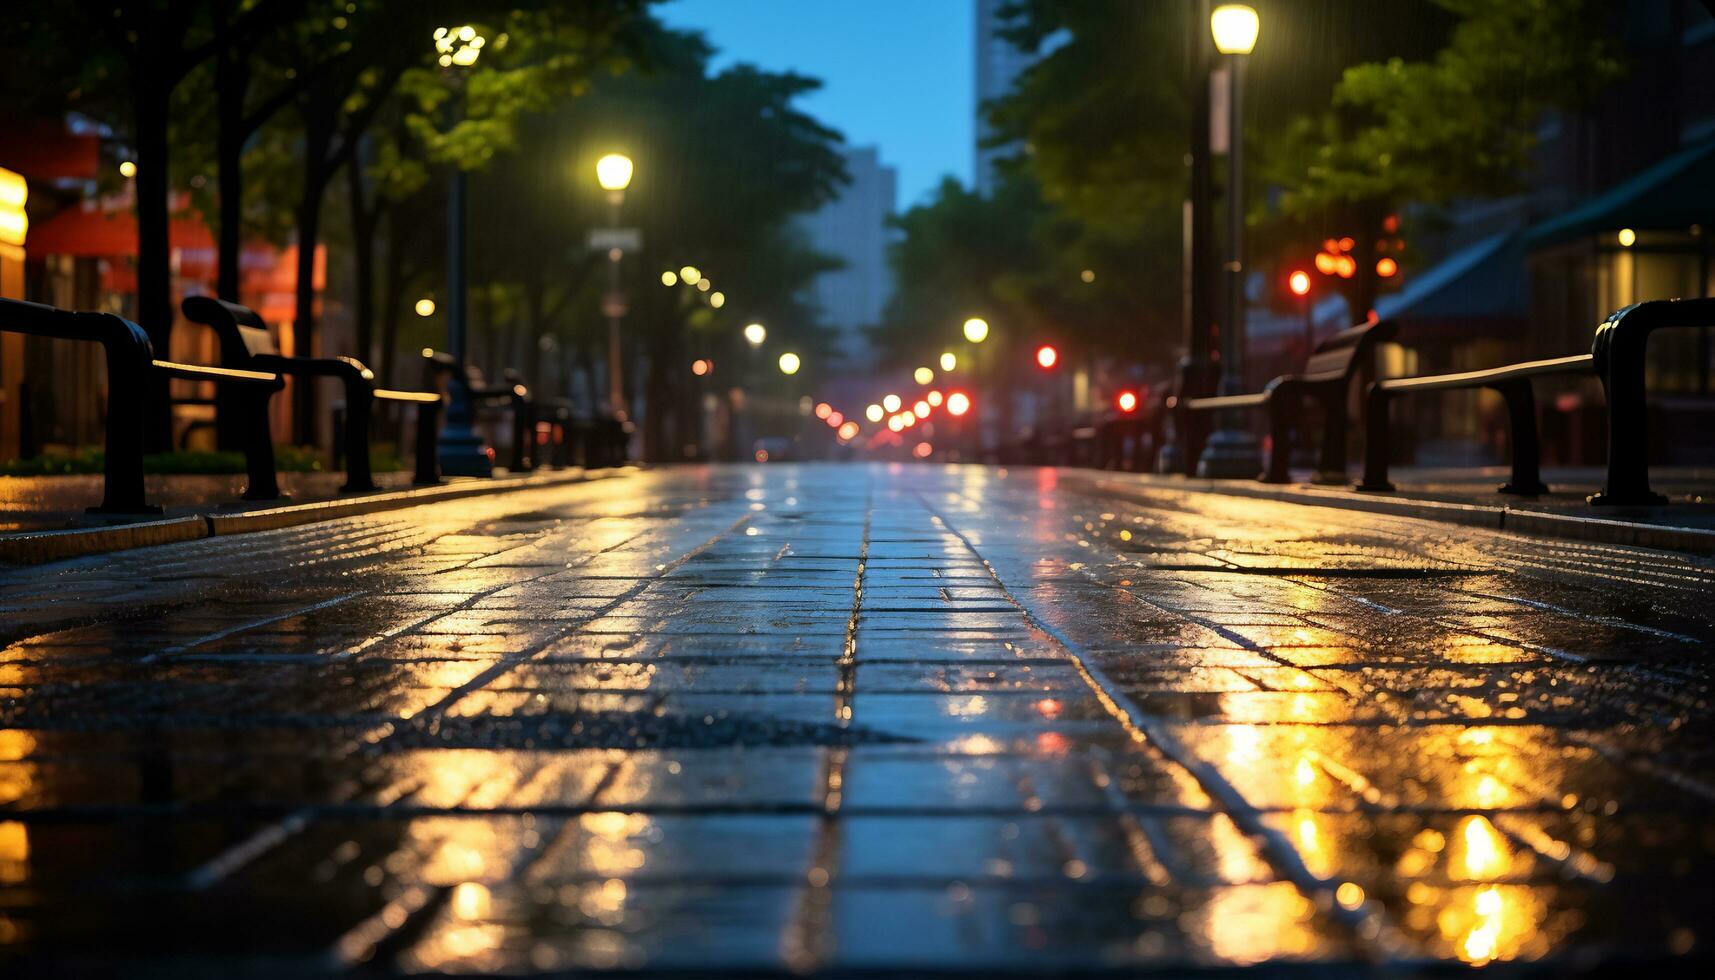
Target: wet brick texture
[(855, 718)]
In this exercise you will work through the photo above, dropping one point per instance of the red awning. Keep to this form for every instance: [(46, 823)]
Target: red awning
[(86, 232), (41, 149)]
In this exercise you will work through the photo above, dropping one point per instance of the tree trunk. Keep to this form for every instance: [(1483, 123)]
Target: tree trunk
[(392, 296), (363, 244), (151, 89), (304, 322)]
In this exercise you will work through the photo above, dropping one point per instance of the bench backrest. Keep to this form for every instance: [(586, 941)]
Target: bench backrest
[(242, 332), (1341, 355)]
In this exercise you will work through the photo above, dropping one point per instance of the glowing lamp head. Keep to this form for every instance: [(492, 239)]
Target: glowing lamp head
[(948, 361), (1299, 283), (835, 420), (1386, 267), (1127, 402), (1047, 356), (700, 367), (1628, 238), (923, 376), (613, 172), (755, 334), (1235, 27), (934, 399), (849, 431), (669, 278), (958, 403), (425, 307), (921, 409), (896, 422), (790, 363), (891, 403), (873, 413), (976, 330), (823, 410), (691, 274)]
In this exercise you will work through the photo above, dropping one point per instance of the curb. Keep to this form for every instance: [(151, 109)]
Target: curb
[(1597, 530), (38, 547)]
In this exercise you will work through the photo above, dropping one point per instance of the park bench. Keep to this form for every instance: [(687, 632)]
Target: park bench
[(131, 365), (1619, 348), (512, 395), (1511, 381), (1327, 377), (1617, 359), (246, 343)]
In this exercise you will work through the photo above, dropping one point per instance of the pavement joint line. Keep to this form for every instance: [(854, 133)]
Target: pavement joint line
[(253, 624), (1378, 938)]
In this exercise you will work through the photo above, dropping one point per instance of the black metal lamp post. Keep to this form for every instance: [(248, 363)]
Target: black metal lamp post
[(461, 450)]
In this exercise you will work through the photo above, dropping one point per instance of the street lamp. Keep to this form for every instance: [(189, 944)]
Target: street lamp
[(1233, 451), (976, 330), (755, 334), (613, 172), (948, 361), (790, 363), (460, 450)]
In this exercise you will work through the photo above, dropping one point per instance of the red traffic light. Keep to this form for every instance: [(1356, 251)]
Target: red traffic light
[(1047, 356), (1298, 282), (1127, 402)]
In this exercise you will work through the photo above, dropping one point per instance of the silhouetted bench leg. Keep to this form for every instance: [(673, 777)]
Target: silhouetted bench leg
[(1526, 448), (124, 464), (264, 484), (1619, 350), (428, 425), (359, 407), (1285, 407), (523, 434), (1376, 432)]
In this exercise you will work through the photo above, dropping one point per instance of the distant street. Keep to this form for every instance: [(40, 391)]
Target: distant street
[(825, 717)]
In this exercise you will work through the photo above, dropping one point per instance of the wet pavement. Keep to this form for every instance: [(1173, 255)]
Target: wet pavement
[(857, 719)]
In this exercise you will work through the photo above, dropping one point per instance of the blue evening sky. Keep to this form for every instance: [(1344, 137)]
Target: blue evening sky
[(896, 73)]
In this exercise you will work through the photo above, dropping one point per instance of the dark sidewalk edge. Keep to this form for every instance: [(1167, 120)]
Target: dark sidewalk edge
[(38, 547), (1499, 517)]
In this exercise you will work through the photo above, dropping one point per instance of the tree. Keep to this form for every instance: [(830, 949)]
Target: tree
[(1462, 124)]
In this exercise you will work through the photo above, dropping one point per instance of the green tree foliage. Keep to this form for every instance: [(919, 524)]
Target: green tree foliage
[(1460, 124)]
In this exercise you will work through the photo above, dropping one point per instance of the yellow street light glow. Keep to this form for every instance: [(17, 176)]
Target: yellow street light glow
[(1628, 238), (614, 172), (873, 413), (908, 418), (895, 423), (921, 409), (891, 403), (948, 361), (127, 169), (790, 363), (976, 330), (705, 284), (1088, 275), (690, 275), (958, 403), (425, 307), (1235, 27), (923, 376), (669, 278), (934, 399), (755, 334), (717, 299)]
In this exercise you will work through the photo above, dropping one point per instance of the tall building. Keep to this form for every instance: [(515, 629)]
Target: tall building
[(998, 64), (854, 229)]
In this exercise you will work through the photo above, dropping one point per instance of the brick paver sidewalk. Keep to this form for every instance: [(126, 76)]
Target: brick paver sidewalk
[(852, 718)]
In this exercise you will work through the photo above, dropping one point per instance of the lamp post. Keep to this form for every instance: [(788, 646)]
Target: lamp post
[(460, 450), (613, 172), (1233, 451)]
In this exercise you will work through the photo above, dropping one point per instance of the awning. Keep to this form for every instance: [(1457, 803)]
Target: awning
[(1676, 193), (1482, 281), (87, 232)]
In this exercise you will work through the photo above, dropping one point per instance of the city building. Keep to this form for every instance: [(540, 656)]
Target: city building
[(854, 229)]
